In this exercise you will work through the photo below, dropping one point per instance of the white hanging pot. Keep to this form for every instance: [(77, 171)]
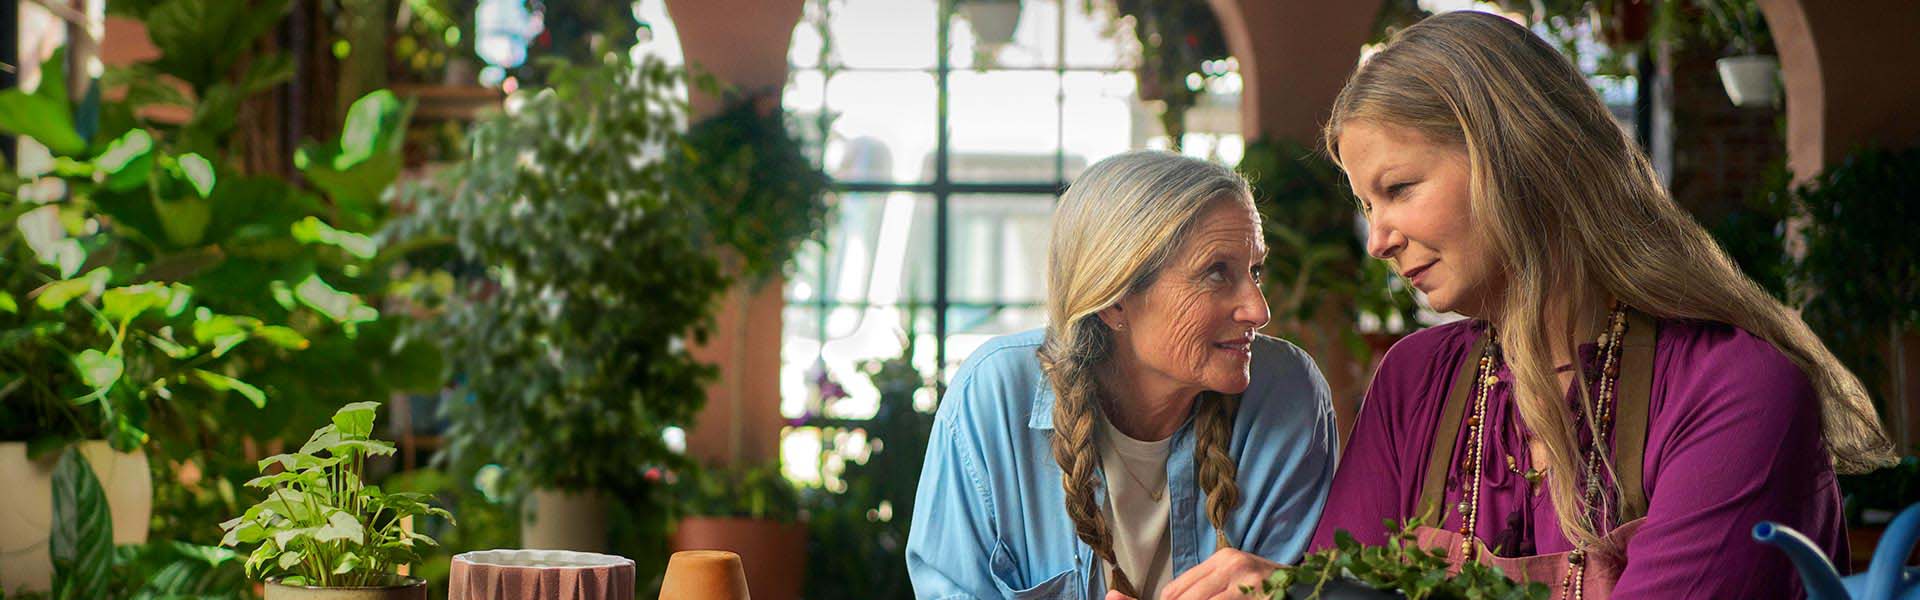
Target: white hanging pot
[(1751, 80), (993, 21)]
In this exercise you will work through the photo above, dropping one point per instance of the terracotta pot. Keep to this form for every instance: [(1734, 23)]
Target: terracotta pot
[(26, 507), (704, 575), (772, 553), (540, 575), (406, 588), (563, 520)]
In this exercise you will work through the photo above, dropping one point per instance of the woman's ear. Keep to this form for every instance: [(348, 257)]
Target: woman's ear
[(1115, 317)]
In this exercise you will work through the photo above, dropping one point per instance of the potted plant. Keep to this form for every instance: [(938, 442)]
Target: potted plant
[(323, 531), (1399, 569), (584, 279), (751, 511), (1750, 75)]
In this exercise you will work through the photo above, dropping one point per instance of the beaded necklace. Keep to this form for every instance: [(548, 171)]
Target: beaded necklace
[(1612, 340)]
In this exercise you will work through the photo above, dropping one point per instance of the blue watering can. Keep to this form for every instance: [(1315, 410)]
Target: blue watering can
[(1886, 578)]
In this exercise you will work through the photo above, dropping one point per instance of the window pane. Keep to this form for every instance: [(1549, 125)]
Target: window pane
[(997, 248), (883, 126), (1004, 126), (1104, 117), (885, 34), (1098, 39), (981, 37)]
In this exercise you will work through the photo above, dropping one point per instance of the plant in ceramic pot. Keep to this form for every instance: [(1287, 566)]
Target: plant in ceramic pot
[(585, 278), (323, 527), (752, 511)]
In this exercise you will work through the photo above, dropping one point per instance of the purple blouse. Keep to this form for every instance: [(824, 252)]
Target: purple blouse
[(1733, 438)]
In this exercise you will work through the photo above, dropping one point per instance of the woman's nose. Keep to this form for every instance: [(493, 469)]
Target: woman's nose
[(1382, 241), (1251, 307)]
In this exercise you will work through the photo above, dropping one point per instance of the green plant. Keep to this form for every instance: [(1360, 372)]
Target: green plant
[(1400, 566), (763, 196), (1858, 284), (586, 277), (1887, 490), (1176, 39), (857, 535), (753, 492), (321, 523), (87, 565)]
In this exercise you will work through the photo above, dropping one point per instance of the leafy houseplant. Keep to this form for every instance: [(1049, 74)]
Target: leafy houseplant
[(321, 524), (586, 276)]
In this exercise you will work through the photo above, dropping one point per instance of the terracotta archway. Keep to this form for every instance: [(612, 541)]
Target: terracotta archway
[(1849, 75)]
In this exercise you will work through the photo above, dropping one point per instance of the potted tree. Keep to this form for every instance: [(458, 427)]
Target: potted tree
[(585, 279), (324, 533)]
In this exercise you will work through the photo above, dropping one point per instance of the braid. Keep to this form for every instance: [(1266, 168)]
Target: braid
[(1074, 412), (1213, 456)]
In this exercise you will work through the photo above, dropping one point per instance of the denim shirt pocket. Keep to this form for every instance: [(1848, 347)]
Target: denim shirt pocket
[(1006, 576)]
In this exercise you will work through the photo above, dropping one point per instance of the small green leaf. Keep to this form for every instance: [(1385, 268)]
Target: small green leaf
[(282, 337), (56, 295), (198, 171), (127, 161), (98, 370), (122, 304), (224, 383), (339, 306), (312, 231), (7, 305)]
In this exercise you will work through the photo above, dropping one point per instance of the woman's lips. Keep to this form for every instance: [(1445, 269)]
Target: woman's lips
[(1242, 346), (1413, 276)]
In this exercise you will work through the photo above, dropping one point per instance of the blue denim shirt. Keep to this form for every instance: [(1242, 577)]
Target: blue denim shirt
[(990, 517)]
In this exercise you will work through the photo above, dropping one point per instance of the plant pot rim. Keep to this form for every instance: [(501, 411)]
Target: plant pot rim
[(477, 557), (407, 581)]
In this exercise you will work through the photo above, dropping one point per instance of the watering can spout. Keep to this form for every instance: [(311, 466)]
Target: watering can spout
[(1821, 581)]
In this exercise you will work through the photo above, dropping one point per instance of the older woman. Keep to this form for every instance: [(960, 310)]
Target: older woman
[(1624, 404), (1148, 427)]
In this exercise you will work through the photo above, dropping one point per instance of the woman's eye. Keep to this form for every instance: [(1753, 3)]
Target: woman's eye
[(1258, 272), (1393, 191), (1217, 273)]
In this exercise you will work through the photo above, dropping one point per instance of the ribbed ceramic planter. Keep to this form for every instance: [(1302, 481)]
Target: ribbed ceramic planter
[(26, 507), (540, 575), (403, 588)]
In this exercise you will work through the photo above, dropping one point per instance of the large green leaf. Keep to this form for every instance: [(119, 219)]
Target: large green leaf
[(45, 115), (356, 169), (199, 39), (46, 122), (122, 304), (82, 540), (99, 371), (356, 420)]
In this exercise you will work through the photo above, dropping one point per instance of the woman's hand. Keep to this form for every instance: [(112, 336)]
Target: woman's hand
[(1220, 576)]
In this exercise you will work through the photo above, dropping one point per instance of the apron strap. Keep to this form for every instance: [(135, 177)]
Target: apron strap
[(1630, 414), (1433, 487)]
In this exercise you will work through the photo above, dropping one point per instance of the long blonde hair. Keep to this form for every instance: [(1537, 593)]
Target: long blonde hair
[(1113, 232), (1575, 215)]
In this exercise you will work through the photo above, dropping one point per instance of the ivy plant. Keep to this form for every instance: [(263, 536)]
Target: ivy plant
[(321, 524), (1400, 567)]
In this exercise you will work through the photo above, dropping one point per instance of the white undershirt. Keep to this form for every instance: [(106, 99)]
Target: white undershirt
[(1137, 472)]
